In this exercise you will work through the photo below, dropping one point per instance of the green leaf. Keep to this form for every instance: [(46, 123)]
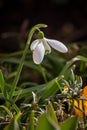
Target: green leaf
[(51, 113), (49, 89), (18, 116), (14, 124), (51, 116), (71, 62), (70, 124), (66, 71), (44, 124), (42, 91), (48, 121), (31, 123), (2, 82), (7, 110)]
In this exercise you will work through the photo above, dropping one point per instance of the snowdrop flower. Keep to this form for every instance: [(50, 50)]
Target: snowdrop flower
[(40, 47)]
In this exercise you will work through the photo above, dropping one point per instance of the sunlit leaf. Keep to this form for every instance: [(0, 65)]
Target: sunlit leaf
[(44, 124), (70, 124), (51, 113)]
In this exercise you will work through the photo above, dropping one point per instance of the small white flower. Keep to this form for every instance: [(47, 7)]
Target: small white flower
[(40, 47)]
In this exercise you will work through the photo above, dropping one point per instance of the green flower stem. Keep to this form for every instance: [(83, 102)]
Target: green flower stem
[(16, 79)]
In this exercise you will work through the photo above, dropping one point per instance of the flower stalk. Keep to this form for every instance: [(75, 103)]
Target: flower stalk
[(16, 79)]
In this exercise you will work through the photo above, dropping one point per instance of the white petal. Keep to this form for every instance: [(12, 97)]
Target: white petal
[(34, 44), (38, 53), (47, 47), (57, 45)]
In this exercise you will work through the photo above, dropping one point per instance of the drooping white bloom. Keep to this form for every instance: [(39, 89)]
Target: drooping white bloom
[(40, 47)]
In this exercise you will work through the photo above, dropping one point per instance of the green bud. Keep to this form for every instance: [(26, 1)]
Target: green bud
[(47, 52), (40, 35)]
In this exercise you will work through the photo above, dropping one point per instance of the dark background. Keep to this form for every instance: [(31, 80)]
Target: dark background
[(66, 20)]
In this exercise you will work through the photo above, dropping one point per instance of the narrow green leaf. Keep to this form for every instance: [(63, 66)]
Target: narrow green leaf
[(49, 88), (71, 62), (42, 91), (31, 123), (51, 113), (70, 124), (51, 116), (14, 124), (2, 82), (18, 116), (7, 110)]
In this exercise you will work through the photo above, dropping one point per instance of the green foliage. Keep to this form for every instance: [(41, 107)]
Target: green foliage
[(51, 114), (31, 123), (70, 124), (7, 110), (14, 123), (33, 96), (44, 124), (2, 83), (48, 121), (49, 89)]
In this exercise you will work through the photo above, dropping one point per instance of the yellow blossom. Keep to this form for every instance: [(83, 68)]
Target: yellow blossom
[(79, 107)]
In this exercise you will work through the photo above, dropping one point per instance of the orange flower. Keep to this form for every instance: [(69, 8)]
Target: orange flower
[(78, 104), (84, 93)]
